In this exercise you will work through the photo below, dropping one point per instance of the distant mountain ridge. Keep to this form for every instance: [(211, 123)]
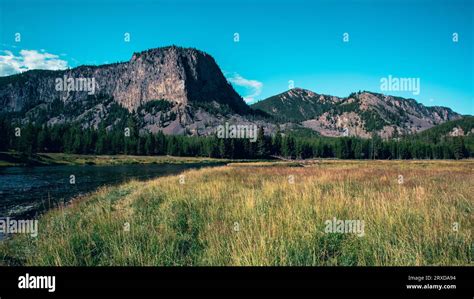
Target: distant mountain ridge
[(183, 91), (359, 114), (454, 128)]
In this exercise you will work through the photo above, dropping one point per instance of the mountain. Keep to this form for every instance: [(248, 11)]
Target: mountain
[(183, 91), (179, 75), (169, 89), (360, 114), (454, 128)]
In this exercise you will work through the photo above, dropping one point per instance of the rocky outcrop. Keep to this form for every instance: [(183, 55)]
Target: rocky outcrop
[(178, 75)]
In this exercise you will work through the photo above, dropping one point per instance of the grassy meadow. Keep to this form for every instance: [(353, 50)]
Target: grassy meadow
[(12, 158), (265, 214)]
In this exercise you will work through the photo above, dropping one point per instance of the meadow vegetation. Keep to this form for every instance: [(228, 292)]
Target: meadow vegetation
[(265, 214), (13, 158)]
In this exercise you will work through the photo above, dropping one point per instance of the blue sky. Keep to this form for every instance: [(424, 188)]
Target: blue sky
[(279, 41)]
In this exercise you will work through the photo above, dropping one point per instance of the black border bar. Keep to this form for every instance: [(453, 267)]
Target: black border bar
[(243, 282)]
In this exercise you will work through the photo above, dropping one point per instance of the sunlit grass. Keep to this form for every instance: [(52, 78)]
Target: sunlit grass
[(16, 159), (245, 215)]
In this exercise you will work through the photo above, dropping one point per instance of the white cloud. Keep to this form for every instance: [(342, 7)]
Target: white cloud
[(29, 60), (253, 87)]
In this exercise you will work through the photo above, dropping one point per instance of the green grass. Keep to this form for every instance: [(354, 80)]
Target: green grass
[(244, 215), (43, 159)]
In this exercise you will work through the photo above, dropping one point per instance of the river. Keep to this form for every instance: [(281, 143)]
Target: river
[(28, 191)]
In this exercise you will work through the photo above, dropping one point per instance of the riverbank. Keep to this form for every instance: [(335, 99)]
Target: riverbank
[(413, 213), (45, 159), (28, 191)]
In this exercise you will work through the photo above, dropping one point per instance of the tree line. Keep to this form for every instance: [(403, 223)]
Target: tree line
[(71, 138)]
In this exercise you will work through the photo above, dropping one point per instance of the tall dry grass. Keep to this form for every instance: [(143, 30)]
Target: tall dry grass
[(253, 215)]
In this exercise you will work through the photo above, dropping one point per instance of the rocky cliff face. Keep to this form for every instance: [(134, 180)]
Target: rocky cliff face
[(178, 75), (182, 91)]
